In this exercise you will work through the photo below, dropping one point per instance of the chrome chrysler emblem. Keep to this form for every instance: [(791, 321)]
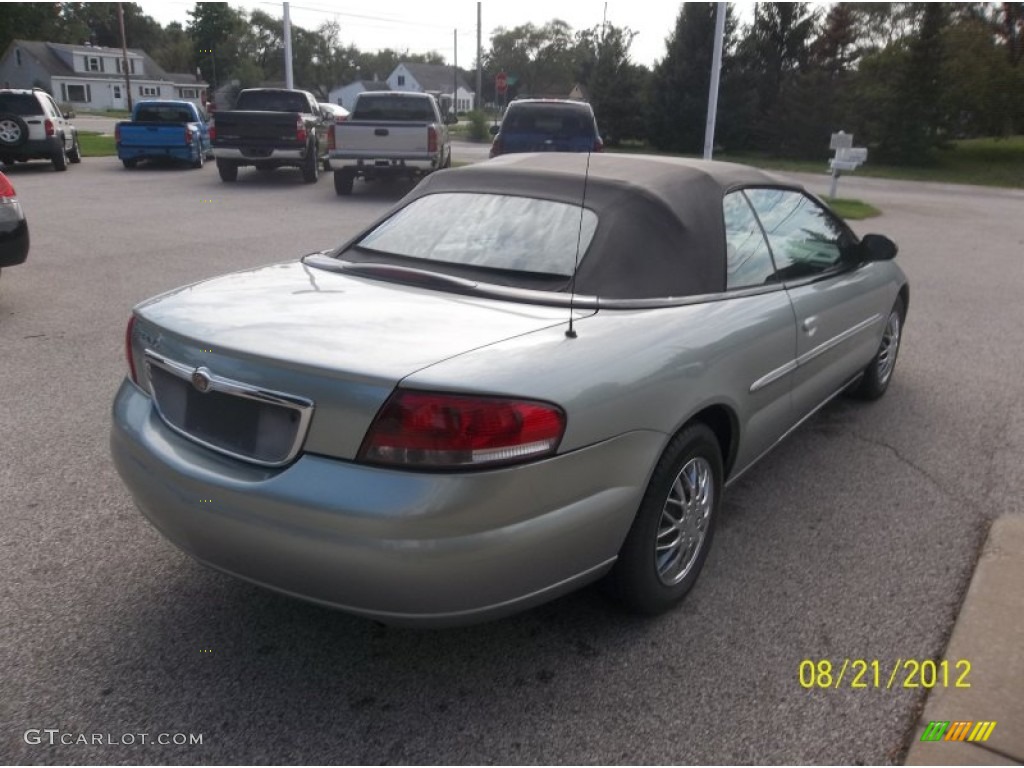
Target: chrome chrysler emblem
[(201, 379)]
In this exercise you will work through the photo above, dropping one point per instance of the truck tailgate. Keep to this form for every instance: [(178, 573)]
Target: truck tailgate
[(151, 135), (386, 139), (255, 128)]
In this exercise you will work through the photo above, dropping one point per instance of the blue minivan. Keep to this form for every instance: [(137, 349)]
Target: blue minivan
[(546, 125)]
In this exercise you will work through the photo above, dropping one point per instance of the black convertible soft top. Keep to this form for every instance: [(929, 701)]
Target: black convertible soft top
[(660, 226)]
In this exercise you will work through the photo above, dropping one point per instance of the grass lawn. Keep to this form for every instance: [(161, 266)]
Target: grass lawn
[(94, 144), (852, 209), (987, 162)]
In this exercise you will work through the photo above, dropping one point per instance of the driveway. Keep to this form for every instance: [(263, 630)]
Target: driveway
[(855, 539)]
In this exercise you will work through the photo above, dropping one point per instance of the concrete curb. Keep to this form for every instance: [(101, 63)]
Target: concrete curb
[(989, 633)]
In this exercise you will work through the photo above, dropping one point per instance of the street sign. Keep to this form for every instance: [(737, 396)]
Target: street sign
[(842, 165), (501, 83), (841, 140), (852, 154)]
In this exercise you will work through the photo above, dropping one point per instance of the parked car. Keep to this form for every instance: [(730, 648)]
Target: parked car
[(164, 129), (268, 128), (546, 125), (332, 113), (13, 227), (389, 135), (499, 391), (32, 127)]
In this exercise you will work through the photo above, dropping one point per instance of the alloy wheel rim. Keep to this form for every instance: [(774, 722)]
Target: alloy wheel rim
[(684, 521), (890, 347), (9, 131)]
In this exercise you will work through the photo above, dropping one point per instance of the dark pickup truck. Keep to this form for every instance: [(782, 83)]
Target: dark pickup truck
[(268, 128)]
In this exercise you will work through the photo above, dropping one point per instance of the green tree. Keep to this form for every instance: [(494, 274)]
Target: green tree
[(678, 93), (216, 30), (539, 61), (614, 84)]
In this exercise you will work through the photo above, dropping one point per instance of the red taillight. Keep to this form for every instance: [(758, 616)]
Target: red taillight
[(330, 138), (213, 130), (6, 188), (117, 133), (431, 139), (300, 130), (598, 145), (430, 430), (188, 136), (495, 147), (128, 348), (48, 124)]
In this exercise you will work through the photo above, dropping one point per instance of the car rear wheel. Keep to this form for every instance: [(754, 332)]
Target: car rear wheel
[(199, 160), (60, 158), (311, 168), (13, 131), (228, 171), (343, 181), (75, 155), (129, 164), (669, 541), (878, 374)]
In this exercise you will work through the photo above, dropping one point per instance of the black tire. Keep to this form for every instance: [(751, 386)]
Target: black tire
[(448, 160), (130, 163), (877, 376), (75, 155), (690, 468), (199, 160), (311, 168), (13, 131), (228, 170), (60, 157), (343, 180)]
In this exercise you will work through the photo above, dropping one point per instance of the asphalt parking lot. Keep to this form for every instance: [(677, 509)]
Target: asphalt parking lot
[(855, 539)]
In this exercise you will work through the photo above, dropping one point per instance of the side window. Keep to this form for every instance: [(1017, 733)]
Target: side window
[(805, 239), (748, 260)]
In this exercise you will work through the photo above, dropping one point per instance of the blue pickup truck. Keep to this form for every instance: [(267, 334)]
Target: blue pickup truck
[(164, 130)]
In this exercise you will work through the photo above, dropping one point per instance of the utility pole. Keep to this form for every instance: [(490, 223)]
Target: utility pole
[(716, 70), (455, 78), (479, 63), (289, 81), (124, 57)]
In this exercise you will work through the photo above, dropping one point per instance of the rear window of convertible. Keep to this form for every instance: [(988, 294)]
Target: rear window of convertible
[(500, 232)]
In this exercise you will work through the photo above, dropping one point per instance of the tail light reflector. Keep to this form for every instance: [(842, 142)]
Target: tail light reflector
[(213, 130), (598, 145), (431, 139), (433, 430), (330, 138), (6, 188), (496, 147), (48, 124), (117, 133), (188, 136), (300, 130)]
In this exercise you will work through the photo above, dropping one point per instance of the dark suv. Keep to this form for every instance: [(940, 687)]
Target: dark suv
[(547, 125), (33, 127)]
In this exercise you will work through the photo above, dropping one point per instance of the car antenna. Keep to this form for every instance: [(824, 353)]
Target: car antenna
[(571, 331)]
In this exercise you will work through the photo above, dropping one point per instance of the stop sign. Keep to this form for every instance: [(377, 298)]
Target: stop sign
[(501, 82)]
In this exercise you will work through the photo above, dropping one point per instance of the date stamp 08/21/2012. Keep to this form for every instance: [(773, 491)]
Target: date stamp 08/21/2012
[(864, 674)]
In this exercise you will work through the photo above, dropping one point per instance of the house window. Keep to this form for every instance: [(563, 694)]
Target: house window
[(401, 79), (189, 93), (17, 56), (148, 90), (93, 64), (117, 91), (131, 65), (79, 93)]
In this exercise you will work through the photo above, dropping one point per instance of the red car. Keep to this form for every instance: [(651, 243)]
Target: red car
[(13, 227)]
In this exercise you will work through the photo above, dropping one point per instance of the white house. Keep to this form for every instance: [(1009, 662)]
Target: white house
[(436, 79), (345, 95), (93, 77)]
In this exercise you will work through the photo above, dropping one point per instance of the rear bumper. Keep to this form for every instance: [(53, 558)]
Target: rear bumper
[(253, 156), (33, 149), (184, 154), (400, 547)]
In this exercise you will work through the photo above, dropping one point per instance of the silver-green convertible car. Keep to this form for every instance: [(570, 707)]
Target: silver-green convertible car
[(530, 374)]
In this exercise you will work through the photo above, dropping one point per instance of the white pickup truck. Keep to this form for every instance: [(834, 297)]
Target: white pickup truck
[(389, 134)]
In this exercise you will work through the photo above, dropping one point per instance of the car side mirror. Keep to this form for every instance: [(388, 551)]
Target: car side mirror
[(495, 129), (878, 248)]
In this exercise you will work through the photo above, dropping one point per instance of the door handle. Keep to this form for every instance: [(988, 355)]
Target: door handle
[(810, 325)]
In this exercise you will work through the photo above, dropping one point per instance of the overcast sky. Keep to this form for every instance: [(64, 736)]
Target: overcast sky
[(421, 26)]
